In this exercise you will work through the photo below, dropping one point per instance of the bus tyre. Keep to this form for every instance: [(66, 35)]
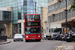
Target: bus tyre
[(26, 40), (39, 40)]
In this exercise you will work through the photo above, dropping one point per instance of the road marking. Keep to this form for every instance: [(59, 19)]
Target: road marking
[(60, 47)]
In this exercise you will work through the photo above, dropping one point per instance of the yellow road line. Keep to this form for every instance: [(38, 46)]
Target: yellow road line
[(59, 47)]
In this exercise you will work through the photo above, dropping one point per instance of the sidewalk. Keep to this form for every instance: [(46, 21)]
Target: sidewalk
[(69, 46), (5, 42)]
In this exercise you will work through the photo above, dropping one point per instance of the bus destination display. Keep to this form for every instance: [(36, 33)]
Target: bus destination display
[(32, 23)]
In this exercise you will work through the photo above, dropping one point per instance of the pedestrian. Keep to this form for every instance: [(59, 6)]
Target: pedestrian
[(42, 36), (45, 36)]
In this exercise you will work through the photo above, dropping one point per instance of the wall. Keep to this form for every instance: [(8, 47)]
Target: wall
[(56, 10), (44, 17), (8, 29), (22, 26)]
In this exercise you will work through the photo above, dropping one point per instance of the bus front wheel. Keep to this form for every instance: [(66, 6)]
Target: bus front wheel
[(26, 40), (38, 40)]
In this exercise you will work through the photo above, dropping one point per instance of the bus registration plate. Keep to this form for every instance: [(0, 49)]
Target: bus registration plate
[(33, 38)]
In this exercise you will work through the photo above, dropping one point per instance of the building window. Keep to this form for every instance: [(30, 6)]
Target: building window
[(25, 3), (6, 15), (19, 15), (19, 28)]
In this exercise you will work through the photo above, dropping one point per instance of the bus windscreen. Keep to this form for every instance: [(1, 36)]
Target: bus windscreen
[(33, 30)]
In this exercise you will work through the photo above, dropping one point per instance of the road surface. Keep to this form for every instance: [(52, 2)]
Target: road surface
[(43, 45)]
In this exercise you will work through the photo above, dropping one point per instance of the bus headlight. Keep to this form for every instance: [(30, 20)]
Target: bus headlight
[(38, 36), (26, 36)]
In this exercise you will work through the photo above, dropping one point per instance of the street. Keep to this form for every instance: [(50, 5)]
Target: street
[(43, 45)]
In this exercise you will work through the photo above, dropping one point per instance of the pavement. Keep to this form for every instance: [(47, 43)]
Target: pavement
[(69, 46), (4, 42)]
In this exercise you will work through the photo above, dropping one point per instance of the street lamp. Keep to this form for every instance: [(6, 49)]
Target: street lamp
[(66, 16)]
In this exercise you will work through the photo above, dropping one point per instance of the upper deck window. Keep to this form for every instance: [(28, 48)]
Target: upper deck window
[(32, 17)]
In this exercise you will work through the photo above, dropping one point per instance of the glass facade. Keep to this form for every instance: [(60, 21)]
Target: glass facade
[(22, 7), (6, 15), (5, 3)]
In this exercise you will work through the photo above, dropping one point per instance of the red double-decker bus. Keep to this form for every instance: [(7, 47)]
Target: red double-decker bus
[(32, 27)]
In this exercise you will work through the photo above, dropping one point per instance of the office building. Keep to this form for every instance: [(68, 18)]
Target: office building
[(22, 7), (57, 13)]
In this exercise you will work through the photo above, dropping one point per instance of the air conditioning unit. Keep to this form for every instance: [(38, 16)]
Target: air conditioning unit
[(59, 0)]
